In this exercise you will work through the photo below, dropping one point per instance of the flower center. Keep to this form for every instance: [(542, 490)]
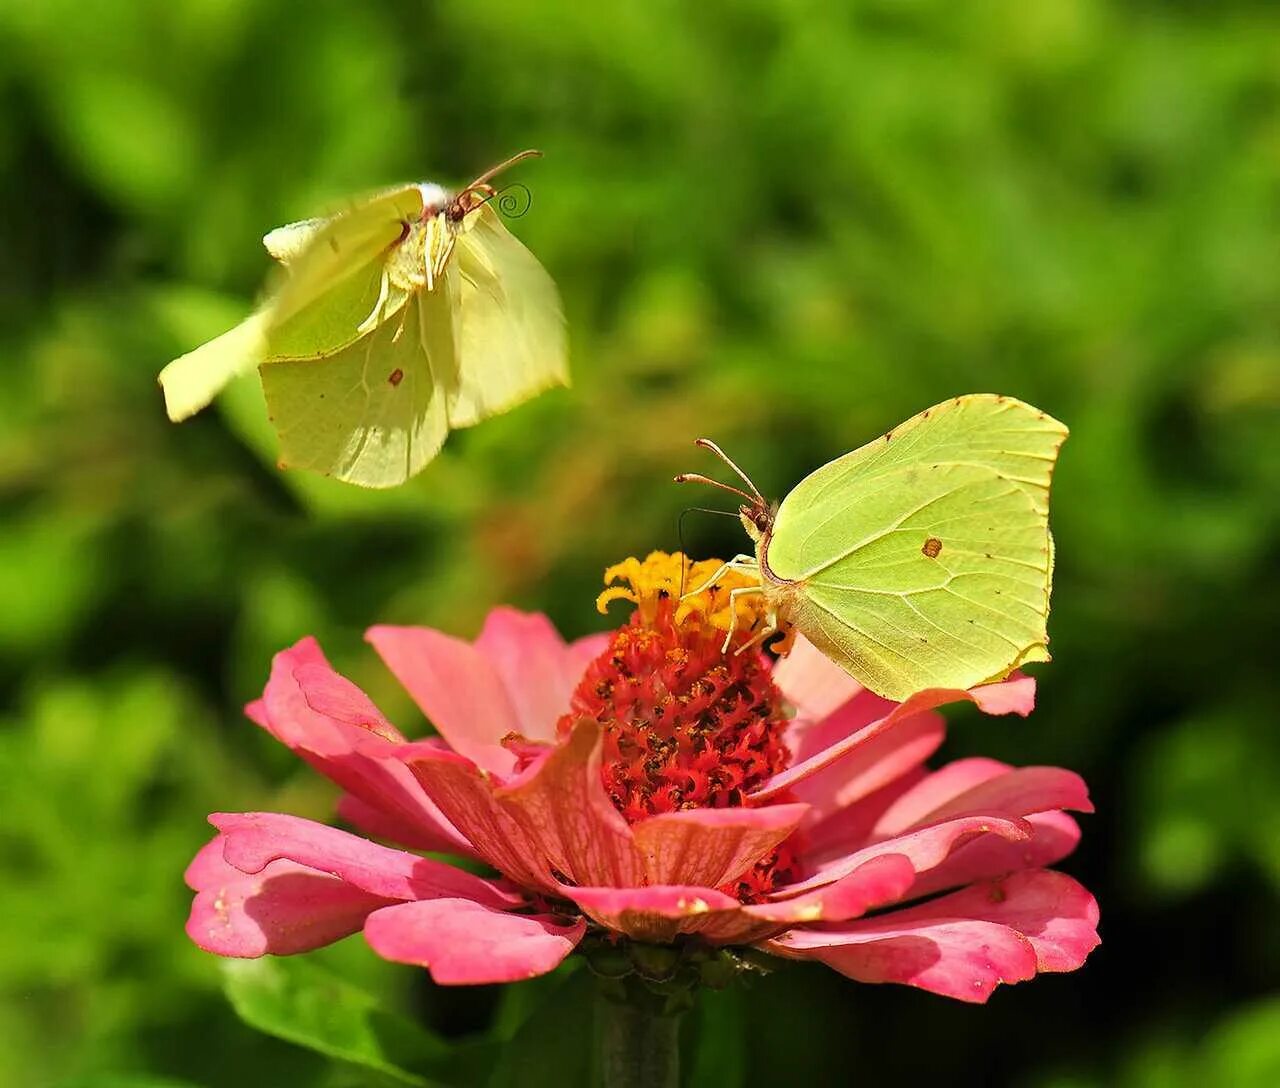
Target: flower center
[(686, 725)]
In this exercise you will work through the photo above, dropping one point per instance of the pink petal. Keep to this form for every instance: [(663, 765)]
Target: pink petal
[(850, 828), (971, 788), (457, 687), (850, 717), (924, 847), (965, 959), (1021, 792), (811, 682), (710, 846), (964, 944), (935, 789), (875, 883), (285, 711), (465, 795), (1054, 835), (255, 839), (537, 669), (335, 697), (657, 913), (1053, 911), (463, 943), (874, 764), (993, 698), (359, 761), (209, 867), (1016, 695), (378, 825), (561, 805), (284, 909)]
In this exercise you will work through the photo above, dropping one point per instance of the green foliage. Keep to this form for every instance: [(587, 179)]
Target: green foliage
[(786, 226), (295, 1000)]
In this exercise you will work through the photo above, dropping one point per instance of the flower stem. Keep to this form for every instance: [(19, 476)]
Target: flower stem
[(638, 1039)]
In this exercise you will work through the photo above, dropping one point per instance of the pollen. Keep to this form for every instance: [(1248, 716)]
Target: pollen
[(686, 725)]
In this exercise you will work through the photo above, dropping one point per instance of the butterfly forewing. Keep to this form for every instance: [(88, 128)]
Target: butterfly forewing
[(344, 246)]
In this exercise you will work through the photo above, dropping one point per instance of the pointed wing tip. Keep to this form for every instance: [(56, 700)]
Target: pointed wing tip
[(176, 407)]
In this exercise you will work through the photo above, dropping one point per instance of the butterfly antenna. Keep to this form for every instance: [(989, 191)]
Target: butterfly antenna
[(506, 164), (707, 444), (698, 478)]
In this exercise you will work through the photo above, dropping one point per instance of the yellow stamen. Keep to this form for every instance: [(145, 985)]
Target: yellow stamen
[(662, 576)]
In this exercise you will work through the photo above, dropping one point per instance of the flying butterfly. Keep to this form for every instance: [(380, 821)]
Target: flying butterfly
[(922, 559), (411, 313)]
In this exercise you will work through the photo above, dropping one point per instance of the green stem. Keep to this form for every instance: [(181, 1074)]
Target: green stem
[(639, 1042)]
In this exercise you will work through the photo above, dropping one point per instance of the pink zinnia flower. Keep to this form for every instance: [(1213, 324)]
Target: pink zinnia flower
[(643, 785)]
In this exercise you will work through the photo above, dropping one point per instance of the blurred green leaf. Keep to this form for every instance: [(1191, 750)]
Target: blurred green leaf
[(301, 1003), (553, 1047), (1244, 1052)]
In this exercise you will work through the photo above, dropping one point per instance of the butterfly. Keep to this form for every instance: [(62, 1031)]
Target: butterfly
[(412, 312), (922, 559)]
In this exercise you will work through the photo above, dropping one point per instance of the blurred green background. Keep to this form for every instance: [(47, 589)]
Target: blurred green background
[(788, 225)]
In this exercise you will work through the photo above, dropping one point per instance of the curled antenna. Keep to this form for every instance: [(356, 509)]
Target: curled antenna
[(512, 200), (466, 201)]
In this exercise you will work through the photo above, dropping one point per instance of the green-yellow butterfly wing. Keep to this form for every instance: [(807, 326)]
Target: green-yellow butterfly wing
[(333, 282), (511, 338), (192, 380), (372, 413), (321, 254), (924, 558)]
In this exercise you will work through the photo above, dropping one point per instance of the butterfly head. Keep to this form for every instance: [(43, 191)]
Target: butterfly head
[(479, 191), (757, 519), (755, 514)]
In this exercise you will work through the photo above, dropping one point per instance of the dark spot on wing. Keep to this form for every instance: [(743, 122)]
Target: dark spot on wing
[(396, 376), (333, 243), (932, 547)]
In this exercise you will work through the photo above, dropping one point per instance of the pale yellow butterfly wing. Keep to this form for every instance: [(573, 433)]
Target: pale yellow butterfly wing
[(511, 339), (287, 243), (923, 559), (334, 270), (371, 414), (192, 380)]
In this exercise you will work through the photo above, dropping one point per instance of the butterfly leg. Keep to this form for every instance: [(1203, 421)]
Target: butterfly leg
[(376, 313), (734, 594), (741, 563), (763, 635)]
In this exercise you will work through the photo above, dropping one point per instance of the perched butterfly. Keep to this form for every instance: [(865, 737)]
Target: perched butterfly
[(412, 312), (921, 560)]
